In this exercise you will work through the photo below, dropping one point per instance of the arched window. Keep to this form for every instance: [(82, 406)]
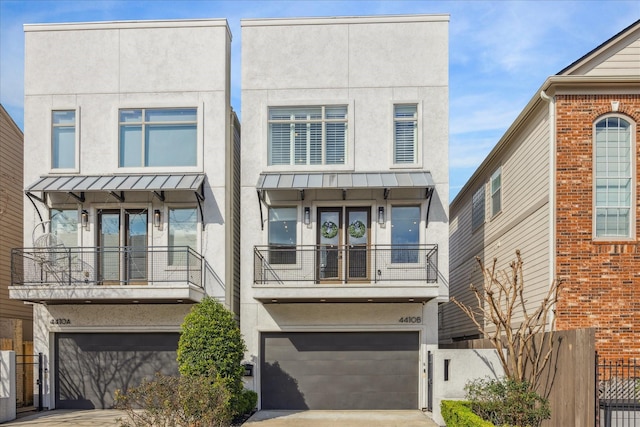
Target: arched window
[(614, 178)]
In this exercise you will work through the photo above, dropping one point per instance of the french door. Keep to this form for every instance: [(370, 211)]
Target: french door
[(343, 245), (122, 246)]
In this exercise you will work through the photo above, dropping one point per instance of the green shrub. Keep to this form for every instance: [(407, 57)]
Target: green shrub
[(211, 342), (247, 401), (507, 402), (457, 413), (187, 401)]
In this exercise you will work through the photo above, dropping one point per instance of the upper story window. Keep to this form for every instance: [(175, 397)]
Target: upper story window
[(477, 208), (613, 178), (158, 137), (496, 192), (283, 235), (63, 136), (405, 134), (308, 135), (405, 234)]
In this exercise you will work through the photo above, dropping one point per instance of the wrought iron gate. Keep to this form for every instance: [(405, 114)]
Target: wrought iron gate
[(618, 392), (26, 365), (429, 381)]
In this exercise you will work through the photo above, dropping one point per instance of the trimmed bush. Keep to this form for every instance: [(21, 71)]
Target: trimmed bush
[(507, 402), (186, 401), (457, 413), (211, 342)]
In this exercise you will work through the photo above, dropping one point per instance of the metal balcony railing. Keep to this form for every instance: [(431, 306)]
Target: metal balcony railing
[(345, 264), (123, 265)]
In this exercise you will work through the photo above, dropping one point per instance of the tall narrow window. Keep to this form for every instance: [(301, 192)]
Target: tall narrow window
[(405, 134), (496, 192), (477, 208), (613, 178), (405, 234), (283, 232), (307, 135), (183, 232), (64, 225), (158, 137), (63, 144)]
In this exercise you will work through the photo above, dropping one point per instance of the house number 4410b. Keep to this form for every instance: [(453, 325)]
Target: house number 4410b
[(410, 319)]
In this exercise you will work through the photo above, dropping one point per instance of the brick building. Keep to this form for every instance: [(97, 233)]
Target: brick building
[(560, 185)]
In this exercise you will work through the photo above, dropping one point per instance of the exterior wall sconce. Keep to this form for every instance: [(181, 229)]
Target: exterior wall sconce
[(381, 215), (157, 218), (248, 369), (307, 216), (84, 219)]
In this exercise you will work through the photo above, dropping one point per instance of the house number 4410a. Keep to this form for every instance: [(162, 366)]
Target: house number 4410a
[(60, 321), (410, 319)]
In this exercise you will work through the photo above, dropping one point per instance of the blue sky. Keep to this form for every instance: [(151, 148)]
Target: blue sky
[(500, 52)]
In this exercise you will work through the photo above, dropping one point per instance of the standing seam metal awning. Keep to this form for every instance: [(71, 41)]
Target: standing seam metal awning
[(93, 183), (344, 181)]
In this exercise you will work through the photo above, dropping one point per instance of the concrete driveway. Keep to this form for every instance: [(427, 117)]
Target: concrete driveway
[(413, 418), (107, 418)]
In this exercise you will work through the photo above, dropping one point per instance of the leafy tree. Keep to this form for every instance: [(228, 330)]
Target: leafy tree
[(211, 342)]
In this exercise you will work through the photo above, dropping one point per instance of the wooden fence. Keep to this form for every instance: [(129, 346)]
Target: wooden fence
[(568, 380)]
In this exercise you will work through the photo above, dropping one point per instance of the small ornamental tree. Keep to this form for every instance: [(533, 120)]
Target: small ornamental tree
[(210, 342)]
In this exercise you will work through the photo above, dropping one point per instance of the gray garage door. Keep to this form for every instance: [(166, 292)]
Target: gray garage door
[(342, 370), (91, 367)]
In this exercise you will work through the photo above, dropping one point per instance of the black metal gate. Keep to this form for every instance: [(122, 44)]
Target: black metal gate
[(26, 365), (618, 392), (429, 381)]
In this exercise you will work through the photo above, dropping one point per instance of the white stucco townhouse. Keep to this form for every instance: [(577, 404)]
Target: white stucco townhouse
[(131, 212), (344, 194)]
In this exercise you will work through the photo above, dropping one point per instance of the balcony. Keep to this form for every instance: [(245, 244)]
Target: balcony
[(106, 274), (326, 273)]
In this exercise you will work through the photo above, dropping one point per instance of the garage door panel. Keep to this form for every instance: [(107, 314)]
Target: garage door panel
[(352, 370), (90, 367)]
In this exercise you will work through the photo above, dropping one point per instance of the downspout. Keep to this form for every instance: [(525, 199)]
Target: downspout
[(551, 100)]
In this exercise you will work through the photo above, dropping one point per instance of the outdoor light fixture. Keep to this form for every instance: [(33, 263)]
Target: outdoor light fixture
[(381, 215), (307, 216), (84, 219), (157, 218)]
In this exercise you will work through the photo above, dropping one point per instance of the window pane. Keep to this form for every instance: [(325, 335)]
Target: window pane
[(613, 177), (171, 115), (283, 235), (496, 192), (477, 208), (64, 148), (66, 118), (336, 137), (64, 225), (131, 116), (130, 146), (405, 133), (279, 144), (170, 145), (183, 229), (405, 233)]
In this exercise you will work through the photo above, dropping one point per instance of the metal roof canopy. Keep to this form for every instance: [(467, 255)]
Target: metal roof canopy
[(116, 185), (344, 181)]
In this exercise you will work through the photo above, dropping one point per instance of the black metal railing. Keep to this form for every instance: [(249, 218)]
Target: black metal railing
[(618, 392), (343, 264), (123, 265)]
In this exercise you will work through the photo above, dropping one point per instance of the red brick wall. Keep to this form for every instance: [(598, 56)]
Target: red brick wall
[(601, 287)]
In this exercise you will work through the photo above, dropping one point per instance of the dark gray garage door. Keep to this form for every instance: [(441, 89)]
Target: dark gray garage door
[(343, 370), (91, 367)]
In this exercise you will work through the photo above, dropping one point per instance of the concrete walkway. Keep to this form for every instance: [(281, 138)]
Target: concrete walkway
[(340, 418), (108, 417)]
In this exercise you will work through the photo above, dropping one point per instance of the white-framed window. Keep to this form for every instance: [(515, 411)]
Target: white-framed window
[(614, 181), (315, 135), (405, 134), (158, 137), (477, 208), (283, 234), (64, 225), (405, 234), (63, 139), (183, 231), (496, 192)]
